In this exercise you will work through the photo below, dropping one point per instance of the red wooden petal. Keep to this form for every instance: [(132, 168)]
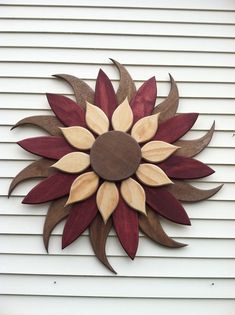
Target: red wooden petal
[(66, 110), (125, 222), (160, 200), (53, 187), (180, 167), (175, 127), (80, 217), (105, 96), (49, 147), (143, 102)]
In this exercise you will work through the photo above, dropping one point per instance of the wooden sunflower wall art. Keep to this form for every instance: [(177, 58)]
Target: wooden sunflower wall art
[(114, 159)]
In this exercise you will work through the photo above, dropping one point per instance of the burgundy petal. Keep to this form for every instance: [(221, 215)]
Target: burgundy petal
[(160, 200), (105, 96), (125, 222), (53, 187), (66, 110), (46, 146), (143, 102), (80, 217), (175, 127), (180, 167)]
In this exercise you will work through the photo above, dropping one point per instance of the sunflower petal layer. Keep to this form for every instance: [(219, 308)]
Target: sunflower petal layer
[(157, 151), (96, 119), (74, 162), (152, 175), (145, 128), (122, 118), (79, 137)]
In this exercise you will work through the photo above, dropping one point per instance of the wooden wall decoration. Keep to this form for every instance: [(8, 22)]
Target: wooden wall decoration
[(114, 159)]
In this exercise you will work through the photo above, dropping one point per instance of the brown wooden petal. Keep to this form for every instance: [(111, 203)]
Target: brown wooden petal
[(37, 169), (186, 192), (151, 226), (126, 84), (98, 236), (169, 106), (56, 213), (190, 148), (46, 122), (82, 91)]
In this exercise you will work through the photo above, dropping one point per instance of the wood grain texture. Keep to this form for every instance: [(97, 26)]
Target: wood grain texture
[(54, 187), (46, 122), (98, 236), (80, 217), (183, 191), (66, 110), (83, 187), (152, 175), (79, 137), (165, 204), (82, 91), (56, 213), (126, 88), (50, 147), (37, 169), (122, 118), (105, 96), (145, 128), (107, 199), (74, 162), (96, 119), (151, 226), (125, 221), (143, 101), (169, 106), (190, 148), (157, 151)]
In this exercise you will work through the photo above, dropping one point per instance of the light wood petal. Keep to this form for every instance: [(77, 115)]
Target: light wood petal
[(145, 128), (152, 175), (79, 137), (96, 119), (83, 187), (74, 162), (122, 118), (107, 199), (133, 194), (157, 151)]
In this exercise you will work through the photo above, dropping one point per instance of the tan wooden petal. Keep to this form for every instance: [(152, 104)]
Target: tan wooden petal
[(122, 118), (74, 162), (152, 175), (107, 199), (96, 119), (79, 137), (157, 151), (83, 187), (145, 128), (133, 194)]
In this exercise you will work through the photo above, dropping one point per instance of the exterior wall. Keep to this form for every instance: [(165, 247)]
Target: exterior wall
[(194, 41)]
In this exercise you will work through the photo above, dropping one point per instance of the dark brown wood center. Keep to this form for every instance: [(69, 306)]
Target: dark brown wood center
[(115, 155)]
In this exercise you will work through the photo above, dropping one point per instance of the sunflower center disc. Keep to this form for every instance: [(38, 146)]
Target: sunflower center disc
[(115, 155)]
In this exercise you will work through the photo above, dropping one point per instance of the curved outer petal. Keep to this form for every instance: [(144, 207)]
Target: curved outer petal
[(190, 148), (125, 222), (175, 127), (145, 128), (49, 147), (98, 236), (74, 162), (126, 84), (161, 201), (54, 187), (151, 226), (56, 213), (79, 137), (105, 96), (66, 110), (122, 118), (179, 167), (169, 106), (37, 169), (152, 175), (46, 122), (80, 217), (143, 101), (82, 91), (96, 119), (186, 192), (157, 151)]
